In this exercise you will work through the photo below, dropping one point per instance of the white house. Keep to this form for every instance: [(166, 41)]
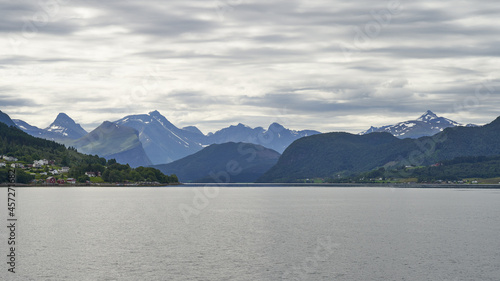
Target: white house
[(2, 164), (40, 163), (64, 170), (8, 158)]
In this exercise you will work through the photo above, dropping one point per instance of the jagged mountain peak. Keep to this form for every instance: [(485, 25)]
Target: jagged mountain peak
[(427, 116), (66, 127), (155, 113), (63, 117), (427, 124), (276, 127), (162, 140)]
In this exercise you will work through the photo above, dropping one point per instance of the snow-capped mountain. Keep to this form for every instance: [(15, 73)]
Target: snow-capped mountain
[(165, 143), (63, 128), (162, 141), (67, 127), (275, 137), (426, 125)]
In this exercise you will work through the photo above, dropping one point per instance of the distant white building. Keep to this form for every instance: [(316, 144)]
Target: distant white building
[(40, 163), (90, 174), (8, 158), (64, 170), (54, 172), (2, 164)]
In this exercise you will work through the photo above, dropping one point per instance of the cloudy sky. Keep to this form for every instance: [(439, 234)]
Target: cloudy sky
[(325, 65)]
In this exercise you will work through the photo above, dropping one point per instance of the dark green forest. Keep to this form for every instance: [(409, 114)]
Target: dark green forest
[(341, 155), (450, 170), (18, 144)]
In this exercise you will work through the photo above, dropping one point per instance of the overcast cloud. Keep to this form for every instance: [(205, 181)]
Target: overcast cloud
[(324, 65)]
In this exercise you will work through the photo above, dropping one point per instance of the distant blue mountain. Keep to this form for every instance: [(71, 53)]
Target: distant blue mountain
[(162, 140), (4, 118), (63, 128), (210, 165), (165, 143), (276, 137)]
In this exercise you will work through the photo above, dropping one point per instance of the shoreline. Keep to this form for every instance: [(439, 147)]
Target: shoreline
[(352, 185)]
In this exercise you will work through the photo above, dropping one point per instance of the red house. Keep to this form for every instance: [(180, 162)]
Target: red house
[(61, 181), (51, 180)]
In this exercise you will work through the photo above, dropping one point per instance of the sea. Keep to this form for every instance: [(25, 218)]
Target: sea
[(252, 233)]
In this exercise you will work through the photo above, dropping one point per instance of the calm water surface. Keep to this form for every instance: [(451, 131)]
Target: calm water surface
[(278, 233)]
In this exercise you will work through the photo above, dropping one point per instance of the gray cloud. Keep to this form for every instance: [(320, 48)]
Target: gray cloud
[(220, 62)]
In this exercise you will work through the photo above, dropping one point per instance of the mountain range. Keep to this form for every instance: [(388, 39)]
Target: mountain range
[(161, 140), (426, 125), (152, 139), (62, 129), (276, 137), (337, 154)]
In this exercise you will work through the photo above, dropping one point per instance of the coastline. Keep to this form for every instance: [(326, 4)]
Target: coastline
[(352, 185)]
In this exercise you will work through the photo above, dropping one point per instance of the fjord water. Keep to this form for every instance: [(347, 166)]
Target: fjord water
[(255, 233)]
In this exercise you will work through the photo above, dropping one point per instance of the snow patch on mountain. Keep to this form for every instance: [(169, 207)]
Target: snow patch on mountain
[(427, 124)]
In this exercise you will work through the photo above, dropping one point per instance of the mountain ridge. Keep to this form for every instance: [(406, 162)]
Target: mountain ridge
[(110, 140), (223, 163), (5, 118), (427, 124), (338, 154), (64, 125)]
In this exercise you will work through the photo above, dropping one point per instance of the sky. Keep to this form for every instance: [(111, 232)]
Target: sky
[(323, 65)]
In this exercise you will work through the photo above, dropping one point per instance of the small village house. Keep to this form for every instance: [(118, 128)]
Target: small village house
[(64, 170)]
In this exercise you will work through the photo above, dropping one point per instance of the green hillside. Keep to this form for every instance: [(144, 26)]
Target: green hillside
[(16, 143), (336, 155), (26, 148)]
